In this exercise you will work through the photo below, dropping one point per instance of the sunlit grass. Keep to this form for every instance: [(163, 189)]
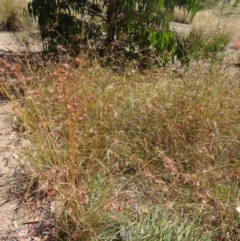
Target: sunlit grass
[(133, 156), (181, 16), (14, 16), (210, 22)]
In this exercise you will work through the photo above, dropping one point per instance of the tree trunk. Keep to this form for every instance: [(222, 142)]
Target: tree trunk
[(112, 11)]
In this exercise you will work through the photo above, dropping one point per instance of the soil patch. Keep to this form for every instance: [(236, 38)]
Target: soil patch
[(9, 147), (20, 42)]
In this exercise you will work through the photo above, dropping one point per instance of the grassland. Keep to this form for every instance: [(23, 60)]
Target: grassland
[(151, 155), (141, 152)]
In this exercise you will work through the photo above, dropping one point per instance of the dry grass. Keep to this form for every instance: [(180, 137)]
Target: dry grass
[(14, 16), (208, 22), (111, 152), (140, 156), (181, 16)]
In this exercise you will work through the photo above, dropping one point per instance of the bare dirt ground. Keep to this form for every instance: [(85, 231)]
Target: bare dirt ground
[(19, 42), (14, 226), (20, 225), (8, 149)]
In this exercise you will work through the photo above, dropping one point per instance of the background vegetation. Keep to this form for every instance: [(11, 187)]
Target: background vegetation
[(130, 28)]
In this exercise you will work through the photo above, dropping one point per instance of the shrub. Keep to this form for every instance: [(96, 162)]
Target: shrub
[(134, 27)]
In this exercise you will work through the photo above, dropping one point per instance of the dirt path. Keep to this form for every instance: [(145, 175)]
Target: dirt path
[(16, 43), (14, 226), (14, 218), (8, 151)]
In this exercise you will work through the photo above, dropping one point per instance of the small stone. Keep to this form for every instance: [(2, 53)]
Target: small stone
[(236, 45)]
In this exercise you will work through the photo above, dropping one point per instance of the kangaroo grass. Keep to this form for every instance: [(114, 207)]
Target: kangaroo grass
[(135, 157)]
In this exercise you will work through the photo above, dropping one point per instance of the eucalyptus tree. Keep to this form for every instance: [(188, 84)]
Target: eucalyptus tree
[(136, 24)]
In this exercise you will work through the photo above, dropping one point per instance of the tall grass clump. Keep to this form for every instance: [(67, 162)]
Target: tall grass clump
[(217, 24), (13, 16), (209, 36), (132, 156), (181, 16)]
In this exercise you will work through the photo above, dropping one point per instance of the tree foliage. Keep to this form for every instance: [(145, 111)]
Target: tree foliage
[(135, 25)]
